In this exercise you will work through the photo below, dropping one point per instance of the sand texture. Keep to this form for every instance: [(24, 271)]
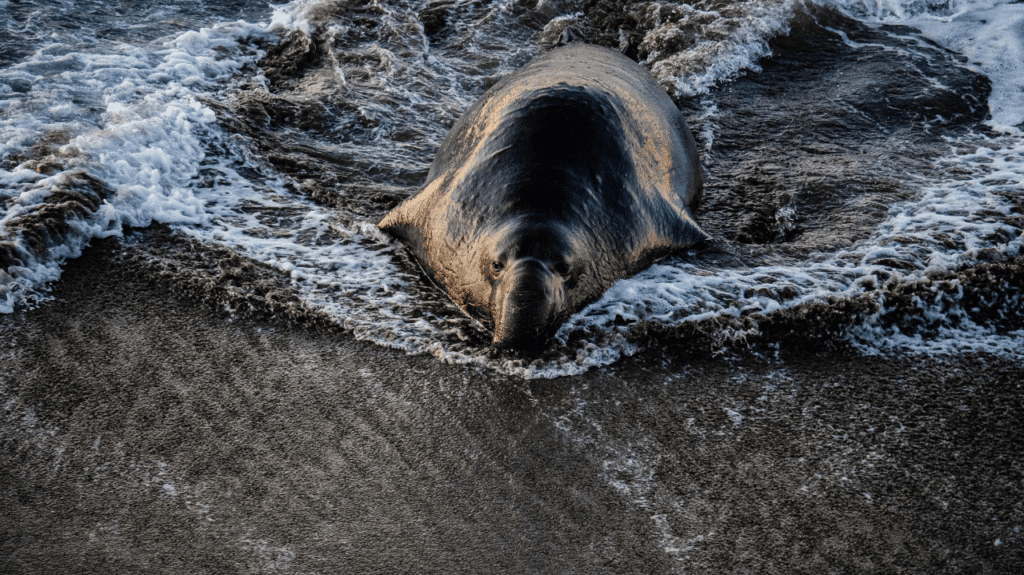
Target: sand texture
[(147, 432)]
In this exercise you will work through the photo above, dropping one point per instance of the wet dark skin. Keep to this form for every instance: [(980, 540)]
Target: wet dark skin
[(566, 176)]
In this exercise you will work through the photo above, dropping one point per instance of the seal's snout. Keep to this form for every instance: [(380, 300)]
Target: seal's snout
[(528, 302)]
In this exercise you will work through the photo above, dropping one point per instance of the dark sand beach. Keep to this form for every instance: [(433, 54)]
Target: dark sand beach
[(213, 391), (148, 432)]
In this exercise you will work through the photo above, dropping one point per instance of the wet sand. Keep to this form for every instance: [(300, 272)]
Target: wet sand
[(147, 432)]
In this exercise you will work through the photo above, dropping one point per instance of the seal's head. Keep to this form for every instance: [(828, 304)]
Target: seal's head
[(532, 271)]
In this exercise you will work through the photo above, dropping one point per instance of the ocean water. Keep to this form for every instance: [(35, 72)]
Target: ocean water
[(864, 160)]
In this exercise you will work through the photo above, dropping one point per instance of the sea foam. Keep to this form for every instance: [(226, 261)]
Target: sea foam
[(131, 117)]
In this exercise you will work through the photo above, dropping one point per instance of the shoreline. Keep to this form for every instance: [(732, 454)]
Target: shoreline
[(145, 431)]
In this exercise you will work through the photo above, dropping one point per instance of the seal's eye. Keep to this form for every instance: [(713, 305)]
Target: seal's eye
[(562, 268), (496, 267)]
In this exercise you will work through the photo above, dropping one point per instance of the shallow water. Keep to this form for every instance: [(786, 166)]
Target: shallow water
[(864, 164)]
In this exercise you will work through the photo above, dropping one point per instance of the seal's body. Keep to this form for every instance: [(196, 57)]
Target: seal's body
[(567, 175)]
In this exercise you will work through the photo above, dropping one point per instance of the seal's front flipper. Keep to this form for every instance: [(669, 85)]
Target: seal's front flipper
[(686, 232), (413, 212)]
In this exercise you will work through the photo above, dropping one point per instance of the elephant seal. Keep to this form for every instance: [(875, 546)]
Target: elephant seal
[(567, 175)]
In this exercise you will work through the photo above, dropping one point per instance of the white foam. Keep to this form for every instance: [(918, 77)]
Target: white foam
[(905, 9), (146, 143), (341, 267), (727, 43), (293, 16)]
